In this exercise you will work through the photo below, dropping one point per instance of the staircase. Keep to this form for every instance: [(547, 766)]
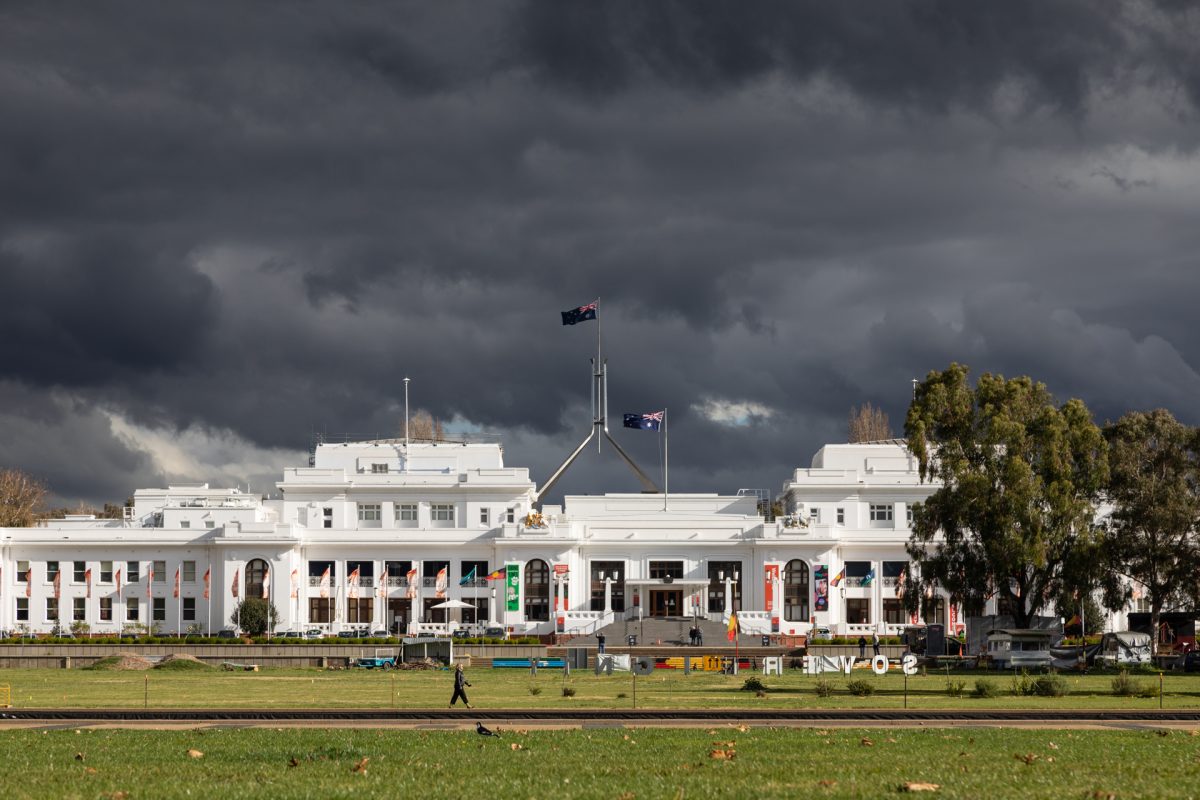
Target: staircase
[(667, 631)]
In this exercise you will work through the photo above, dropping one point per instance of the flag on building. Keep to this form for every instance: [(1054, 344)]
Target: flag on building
[(869, 577), (900, 584), (29, 580), (412, 583), (498, 575), (581, 314), (119, 582), (440, 584), (383, 583), (295, 584), (175, 593), (839, 577), (466, 579), (1072, 621), (58, 585), (352, 584), (646, 422), (732, 632), (325, 583), (87, 576), (207, 578), (234, 586), (266, 590), (150, 581)]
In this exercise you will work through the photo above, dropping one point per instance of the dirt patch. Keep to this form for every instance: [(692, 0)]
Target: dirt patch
[(181, 661), (123, 662)]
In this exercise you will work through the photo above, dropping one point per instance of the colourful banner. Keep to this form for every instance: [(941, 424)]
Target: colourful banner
[(770, 578), (512, 587), (821, 587)]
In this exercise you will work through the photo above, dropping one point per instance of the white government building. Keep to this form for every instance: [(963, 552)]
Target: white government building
[(377, 534)]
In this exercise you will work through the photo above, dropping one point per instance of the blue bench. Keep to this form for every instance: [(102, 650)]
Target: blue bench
[(523, 663)]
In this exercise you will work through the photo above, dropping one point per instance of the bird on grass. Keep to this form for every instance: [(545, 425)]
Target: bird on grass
[(482, 731)]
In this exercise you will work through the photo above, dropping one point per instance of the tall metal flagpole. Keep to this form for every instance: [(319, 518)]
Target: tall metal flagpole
[(601, 393), (406, 379), (666, 460)]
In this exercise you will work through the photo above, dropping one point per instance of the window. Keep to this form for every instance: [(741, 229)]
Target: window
[(51, 608), (22, 571), (22, 609), (256, 575), (189, 572), (131, 609), (133, 571), (510, 516), (442, 514), (537, 591), (160, 609), (858, 611), (79, 571), (370, 515), (814, 515), (51, 571), (478, 568), (614, 571), (485, 516), (79, 609), (379, 469), (718, 573), (908, 512), (160, 571), (316, 569), (106, 571), (397, 572), (666, 569), (406, 514), (841, 516), (327, 513), (189, 609), (881, 513), (185, 523), (893, 612), (106, 609), (318, 609), (795, 591), (360, 610)]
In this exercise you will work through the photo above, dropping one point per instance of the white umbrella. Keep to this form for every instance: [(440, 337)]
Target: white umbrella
[(453, 604)]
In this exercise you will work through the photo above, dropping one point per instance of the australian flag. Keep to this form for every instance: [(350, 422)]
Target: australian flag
[(581, 314), (646, 422)]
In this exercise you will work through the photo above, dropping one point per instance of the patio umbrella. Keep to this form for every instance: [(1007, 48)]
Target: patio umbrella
[(453, 604)]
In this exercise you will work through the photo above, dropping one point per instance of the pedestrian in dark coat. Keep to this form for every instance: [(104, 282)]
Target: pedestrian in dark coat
[(600, 643), (862, 647), (460, 687)]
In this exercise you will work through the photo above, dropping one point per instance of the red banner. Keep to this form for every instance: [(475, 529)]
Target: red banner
[(770, 578)]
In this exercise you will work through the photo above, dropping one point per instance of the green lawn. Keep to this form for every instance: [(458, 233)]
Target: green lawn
[(601, 763), (499, 688)]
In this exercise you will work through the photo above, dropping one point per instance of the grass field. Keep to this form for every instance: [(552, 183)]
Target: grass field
[(498, 688), (610, 764)]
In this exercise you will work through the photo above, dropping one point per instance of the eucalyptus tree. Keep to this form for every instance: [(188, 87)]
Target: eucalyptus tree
[(1154, 489), (1020, 479)]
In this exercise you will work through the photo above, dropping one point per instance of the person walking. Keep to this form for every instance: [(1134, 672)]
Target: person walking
[(862, 647), (460, 684), (600, 643), (875, 642)]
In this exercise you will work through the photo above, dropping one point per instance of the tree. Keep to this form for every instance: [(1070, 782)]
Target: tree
[(1020, 477), (21, 499), (251, 615), (869, 424), (1154, 489), (422, 427)]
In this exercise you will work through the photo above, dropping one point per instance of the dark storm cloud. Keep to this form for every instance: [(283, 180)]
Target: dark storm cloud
[(240, 223)]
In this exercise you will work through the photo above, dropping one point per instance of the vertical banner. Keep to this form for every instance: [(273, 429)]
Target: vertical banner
[(207, 581), (512, 587), (266, 590), (770, 579), (88, 577), (439, 586), (821, 587), (295, 593), (175, 592), (954, 619), (560, 603), (412, 584)]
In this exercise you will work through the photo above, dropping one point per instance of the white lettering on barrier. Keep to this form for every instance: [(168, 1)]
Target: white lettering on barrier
[(772, 665), (879, 665), (909, 664), (847, 664)]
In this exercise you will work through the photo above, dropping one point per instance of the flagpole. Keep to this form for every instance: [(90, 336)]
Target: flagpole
[(666, 461)]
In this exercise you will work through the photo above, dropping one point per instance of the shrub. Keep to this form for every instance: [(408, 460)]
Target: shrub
[(985, 688), (1021, 684), (753, 685), (860, 688), (568, 691), (955, 688), (535, 690), (1051, 686), (1125, 686), (823, 687)]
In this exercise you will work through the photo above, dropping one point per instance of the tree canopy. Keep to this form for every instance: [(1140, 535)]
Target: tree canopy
[(251, 615), (1154, 489), (21, 499), (868, 424), (1021, 477)]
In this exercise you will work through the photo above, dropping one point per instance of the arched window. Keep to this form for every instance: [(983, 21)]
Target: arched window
[(537, 591), (256, 574), (795, 591)]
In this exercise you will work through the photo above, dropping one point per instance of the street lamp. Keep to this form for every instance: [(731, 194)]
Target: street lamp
[(493, 612)]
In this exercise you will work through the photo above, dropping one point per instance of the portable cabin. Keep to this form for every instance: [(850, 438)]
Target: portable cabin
[(1124, 647), (1021, 648)]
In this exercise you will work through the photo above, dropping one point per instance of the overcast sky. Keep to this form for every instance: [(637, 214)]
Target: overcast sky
[(226, 225)]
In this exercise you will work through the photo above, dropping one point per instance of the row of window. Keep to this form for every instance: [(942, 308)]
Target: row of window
[(132, 609), (406, 514), (131, 574), (877, 512)]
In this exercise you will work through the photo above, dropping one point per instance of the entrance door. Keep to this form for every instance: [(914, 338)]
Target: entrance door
[(666, 602), (398, 614)]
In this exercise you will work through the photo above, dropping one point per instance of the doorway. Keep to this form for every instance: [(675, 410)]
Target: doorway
[(666, 602), (398, 614)]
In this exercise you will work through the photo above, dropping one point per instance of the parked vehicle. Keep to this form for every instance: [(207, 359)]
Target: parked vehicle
[(1124, 647), (1016, 648), (494, 632), (289, 634), (314, 633), (227, 633), (380, 633), (352, 633), (383, 659)]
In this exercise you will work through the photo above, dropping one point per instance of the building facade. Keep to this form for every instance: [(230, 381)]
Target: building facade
[(429, 536)]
